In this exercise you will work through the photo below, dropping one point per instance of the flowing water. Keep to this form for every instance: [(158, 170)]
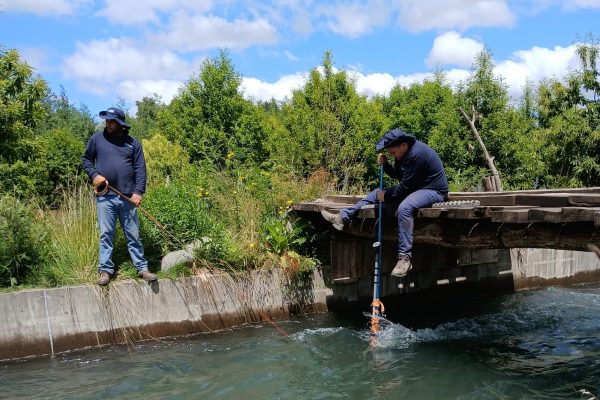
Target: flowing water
[(529, 345)]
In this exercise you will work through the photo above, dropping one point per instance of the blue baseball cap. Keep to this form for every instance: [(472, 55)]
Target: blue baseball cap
[(394, 138), (116, 114)]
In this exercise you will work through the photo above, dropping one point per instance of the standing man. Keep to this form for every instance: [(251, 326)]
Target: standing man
[(422, 183), (114, 158)]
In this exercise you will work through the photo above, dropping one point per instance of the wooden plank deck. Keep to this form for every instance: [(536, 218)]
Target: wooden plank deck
[(553, 206), (557, 218)]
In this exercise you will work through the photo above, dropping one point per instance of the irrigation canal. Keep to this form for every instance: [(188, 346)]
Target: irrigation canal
[(541, 344)]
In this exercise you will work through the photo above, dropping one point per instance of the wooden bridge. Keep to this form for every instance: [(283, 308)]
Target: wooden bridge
[(465, 242)]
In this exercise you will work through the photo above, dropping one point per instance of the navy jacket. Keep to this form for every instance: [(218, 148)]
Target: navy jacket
[(120, 159), (420, 168)]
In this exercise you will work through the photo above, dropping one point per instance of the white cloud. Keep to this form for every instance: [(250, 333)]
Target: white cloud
[(456, 75), (379, 83), (302, 23), (382, 83), (570, 5), (102, 66), (196, 32), (38, 59), (131, 12), (290, 56), (258, 90), (354, 20), (42, 7), (536, 64), (133, 91), (373, 84), (369, 85), (576, 4), (451, 49), (422, 15)]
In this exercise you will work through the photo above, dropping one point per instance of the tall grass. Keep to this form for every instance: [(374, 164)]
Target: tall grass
[(73, 239), (243, 213)]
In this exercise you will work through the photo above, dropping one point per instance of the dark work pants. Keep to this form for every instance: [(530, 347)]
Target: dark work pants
[(405, 213)]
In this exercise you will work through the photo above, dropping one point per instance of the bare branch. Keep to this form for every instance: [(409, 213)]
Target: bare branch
[(489, 159)]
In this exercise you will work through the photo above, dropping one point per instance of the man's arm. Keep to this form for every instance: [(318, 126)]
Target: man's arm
[(388, 168), (139, 169), (88, 161), (412, 177)]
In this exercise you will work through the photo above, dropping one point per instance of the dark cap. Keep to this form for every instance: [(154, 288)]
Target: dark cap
[(394, 138), (116, 114)]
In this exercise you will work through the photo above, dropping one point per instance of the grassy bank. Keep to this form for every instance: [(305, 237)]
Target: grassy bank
[(241, 218)]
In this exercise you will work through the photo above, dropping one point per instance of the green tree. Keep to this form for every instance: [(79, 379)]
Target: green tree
[(164, 160), (56, 162), (145, 124), (22, 242), (569, 116), (210, 118), (428, 110), (508, 133), (61, 114), (330, 126), (21, 106)]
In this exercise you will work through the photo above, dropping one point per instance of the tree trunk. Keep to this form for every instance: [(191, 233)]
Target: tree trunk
[(489, 159), (489, 184)]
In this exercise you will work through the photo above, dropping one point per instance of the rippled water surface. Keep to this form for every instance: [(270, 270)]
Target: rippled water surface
[(531, 345)]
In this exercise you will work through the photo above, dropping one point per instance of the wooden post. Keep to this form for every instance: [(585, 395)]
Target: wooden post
[(489, 184), (489, 159)]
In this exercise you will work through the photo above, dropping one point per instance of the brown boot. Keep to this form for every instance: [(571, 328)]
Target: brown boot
[(334, 219), (147, 276), (402, 266), (103, 279)]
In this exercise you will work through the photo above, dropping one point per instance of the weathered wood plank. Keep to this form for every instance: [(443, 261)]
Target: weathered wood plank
[(570, 214), (591, 200), (432, 212), (317, 206), (487, 234), (543, 200), (344, 199), (497, 200), (514, 216), (466, 213), (597, 219), (476, 195), (553, 215), (470, 234), (490, 210)]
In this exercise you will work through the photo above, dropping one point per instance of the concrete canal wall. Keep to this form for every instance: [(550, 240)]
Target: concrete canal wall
[(550, 267), (49, 321), (441, 272)]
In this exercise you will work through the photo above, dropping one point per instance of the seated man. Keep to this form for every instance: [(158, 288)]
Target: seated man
[(422, 183)]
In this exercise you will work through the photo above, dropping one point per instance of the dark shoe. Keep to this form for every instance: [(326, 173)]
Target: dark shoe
[(103, 279), (334, 219), (147, 276), (402, 266)]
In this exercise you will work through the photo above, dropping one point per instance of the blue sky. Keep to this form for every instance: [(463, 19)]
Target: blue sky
[(103, 50)]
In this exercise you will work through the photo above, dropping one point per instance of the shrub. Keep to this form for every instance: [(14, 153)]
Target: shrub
[(73, 239), (188, 216), (21, 242)]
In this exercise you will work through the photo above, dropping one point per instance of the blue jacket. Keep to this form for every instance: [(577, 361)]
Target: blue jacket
[(120, 159), (420, 168)]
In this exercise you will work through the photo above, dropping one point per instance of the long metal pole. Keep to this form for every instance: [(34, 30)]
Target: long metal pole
[(377, 307)]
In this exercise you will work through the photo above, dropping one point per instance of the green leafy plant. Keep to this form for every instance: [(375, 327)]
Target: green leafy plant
[(21, 242), (283, 234)]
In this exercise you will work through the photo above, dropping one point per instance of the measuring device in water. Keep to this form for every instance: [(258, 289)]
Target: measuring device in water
[(377, 307)]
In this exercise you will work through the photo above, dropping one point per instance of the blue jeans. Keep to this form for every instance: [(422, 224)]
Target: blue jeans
[(406, 213), (111, 207)]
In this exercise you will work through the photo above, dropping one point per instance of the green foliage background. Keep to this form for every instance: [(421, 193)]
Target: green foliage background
[(224, 170)]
